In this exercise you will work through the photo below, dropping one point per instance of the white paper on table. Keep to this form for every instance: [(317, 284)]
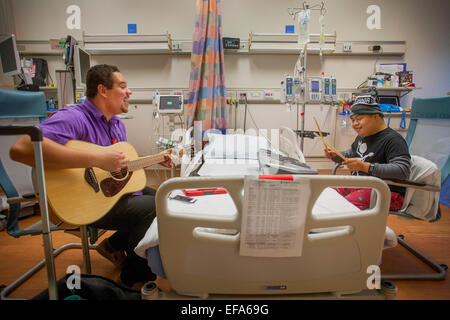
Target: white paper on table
[(273, 217)]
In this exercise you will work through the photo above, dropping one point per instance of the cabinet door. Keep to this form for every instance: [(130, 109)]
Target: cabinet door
[(139, 123), (325, 116)]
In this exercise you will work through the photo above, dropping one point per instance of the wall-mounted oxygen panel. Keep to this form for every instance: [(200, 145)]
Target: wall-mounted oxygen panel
[(382, 48), (269, 95)]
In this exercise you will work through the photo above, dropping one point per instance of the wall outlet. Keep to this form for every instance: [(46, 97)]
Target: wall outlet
[(347, 47), (255, 94), (268, 94), (176, 46), (375, 48)]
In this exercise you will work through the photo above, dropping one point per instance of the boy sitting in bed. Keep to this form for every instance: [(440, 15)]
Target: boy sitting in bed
[(377, 151)]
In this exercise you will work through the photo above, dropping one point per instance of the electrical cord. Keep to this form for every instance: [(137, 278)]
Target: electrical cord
[(245, 112), (376, 60), (156, 123), (359, 86), (48, 74), (374, 67), (249, 113), (253, 120)]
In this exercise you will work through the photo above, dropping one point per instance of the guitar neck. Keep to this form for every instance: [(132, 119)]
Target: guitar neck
[(146, 161)]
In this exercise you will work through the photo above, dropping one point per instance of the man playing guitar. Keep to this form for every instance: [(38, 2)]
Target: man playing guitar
[(95, 121)]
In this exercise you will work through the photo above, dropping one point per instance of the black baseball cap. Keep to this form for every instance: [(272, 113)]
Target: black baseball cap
[(366, 108)]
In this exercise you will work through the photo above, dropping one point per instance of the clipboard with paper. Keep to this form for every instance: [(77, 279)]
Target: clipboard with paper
[(274, 214)]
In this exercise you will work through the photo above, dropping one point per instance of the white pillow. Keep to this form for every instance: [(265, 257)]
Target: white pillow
[(235, 146), (420, 203)]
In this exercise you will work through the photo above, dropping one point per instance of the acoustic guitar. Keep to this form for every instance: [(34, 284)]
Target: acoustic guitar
[(80, 196)]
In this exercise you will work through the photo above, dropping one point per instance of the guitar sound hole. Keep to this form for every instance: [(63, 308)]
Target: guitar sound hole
[(120, 175)]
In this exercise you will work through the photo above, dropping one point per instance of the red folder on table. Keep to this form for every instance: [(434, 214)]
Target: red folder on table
[(204, 192)]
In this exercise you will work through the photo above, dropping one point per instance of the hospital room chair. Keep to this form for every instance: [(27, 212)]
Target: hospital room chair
[(428, 138), (17, 105), (199, 247)]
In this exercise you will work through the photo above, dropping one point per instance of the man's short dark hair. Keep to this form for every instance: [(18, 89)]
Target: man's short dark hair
[(99, 74)]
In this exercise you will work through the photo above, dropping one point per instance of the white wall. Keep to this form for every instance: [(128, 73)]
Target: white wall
[(423, 24)]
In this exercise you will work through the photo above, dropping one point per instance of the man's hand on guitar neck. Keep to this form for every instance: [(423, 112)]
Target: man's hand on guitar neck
[(170, 158)]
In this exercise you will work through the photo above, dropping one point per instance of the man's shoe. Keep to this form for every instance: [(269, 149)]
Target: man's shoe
[(135, 286), (115, 256)]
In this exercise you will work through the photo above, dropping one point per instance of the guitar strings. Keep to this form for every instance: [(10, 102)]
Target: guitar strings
[(120, 175)]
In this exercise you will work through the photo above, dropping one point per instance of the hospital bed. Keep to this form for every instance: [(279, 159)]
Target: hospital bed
[(199, 242), (238, 153)]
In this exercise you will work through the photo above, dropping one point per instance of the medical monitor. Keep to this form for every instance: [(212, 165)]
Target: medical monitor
[(69, 50), (388, 100), (169, 103), (81, 65), (314, 86), (9, 56)]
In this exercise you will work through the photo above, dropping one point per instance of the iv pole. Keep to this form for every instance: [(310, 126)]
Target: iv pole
[(305, 95), (293, 12)]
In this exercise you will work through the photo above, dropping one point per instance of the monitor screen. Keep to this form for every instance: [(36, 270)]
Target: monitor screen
[(81, 65), (9, 56), (315, 86), (170, 104), (388, 100)]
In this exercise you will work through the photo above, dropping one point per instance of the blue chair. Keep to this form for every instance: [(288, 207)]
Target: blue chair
[(430, 118), (428, 137), (21, 104)]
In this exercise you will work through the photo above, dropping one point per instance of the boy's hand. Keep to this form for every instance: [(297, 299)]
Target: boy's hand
[(355, 164), (329, 154)]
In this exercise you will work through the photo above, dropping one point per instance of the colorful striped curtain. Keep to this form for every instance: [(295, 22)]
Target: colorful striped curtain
[(207, 93)]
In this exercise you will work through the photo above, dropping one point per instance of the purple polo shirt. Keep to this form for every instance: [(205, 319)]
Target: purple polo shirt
[(83, 122), (86, 123)]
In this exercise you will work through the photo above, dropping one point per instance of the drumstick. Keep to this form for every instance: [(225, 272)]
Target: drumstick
[(325, 143), (318, 128), (331, 147)]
